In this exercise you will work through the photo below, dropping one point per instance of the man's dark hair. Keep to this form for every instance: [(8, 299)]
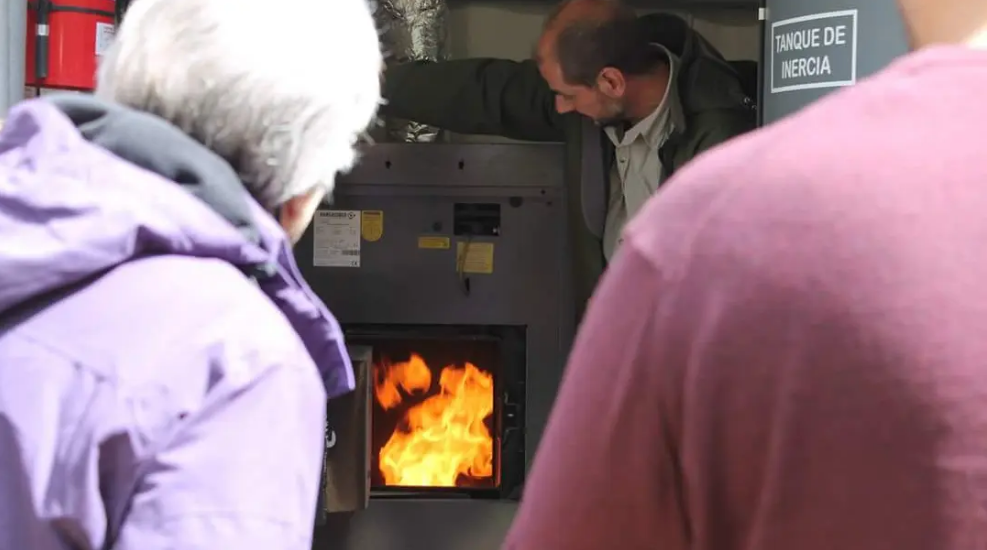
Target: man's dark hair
[(608, 36)]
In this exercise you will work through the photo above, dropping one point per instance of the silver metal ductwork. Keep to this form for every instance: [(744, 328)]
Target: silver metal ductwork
[(412, 30)]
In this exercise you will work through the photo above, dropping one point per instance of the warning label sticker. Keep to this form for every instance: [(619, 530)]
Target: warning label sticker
[(336, 239), (104, 37)]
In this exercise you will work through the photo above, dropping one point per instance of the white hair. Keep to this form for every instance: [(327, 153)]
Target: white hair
[(281, 89)]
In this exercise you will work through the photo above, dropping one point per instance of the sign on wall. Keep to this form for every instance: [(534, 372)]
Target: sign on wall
[(814, 51)]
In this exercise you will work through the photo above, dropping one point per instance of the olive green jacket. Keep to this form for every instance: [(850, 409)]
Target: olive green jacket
[(510, 99)]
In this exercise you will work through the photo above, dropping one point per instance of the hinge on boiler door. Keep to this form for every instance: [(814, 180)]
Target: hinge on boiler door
[(762, 14)]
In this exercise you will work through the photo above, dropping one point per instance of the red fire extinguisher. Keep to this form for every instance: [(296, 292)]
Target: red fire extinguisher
[(64, 41)]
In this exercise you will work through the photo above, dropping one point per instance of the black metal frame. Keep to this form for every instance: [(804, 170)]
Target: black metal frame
[(509, 388), (761, 67)]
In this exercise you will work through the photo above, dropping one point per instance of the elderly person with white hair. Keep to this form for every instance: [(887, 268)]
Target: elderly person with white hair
[(164, 369)]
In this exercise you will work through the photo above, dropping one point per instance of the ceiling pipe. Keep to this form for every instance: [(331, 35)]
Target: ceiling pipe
[(412, 30)]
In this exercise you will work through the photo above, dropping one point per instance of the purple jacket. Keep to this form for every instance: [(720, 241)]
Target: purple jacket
[(163, 367)]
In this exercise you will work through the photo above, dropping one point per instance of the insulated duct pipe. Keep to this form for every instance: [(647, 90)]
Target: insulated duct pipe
[(13, 35), (412, 30)]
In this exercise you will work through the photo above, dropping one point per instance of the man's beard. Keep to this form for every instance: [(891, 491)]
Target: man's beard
[(616, 117)]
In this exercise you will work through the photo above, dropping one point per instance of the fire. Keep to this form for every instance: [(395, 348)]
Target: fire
[(443, 437)]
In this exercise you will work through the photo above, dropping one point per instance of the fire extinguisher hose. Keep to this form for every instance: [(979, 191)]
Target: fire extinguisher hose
[(41, 39)]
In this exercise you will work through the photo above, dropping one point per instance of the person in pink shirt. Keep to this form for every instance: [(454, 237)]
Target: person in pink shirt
[(790, 350)]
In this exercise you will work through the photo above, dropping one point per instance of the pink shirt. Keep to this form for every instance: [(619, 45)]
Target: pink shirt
[(790, 350)]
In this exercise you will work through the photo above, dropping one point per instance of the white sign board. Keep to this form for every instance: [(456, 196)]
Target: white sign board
[(336, 238), (814, 51)]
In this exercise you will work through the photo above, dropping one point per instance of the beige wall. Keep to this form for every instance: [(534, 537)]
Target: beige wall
[(509, 28)]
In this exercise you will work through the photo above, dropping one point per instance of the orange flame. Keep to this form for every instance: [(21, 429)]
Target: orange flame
[(443, 437)]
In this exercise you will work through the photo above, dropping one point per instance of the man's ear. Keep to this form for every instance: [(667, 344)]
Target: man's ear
[(611, 82)]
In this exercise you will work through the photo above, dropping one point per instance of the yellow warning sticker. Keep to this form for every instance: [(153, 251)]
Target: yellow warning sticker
[(474, 257), (434, 243), (372, 225)]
